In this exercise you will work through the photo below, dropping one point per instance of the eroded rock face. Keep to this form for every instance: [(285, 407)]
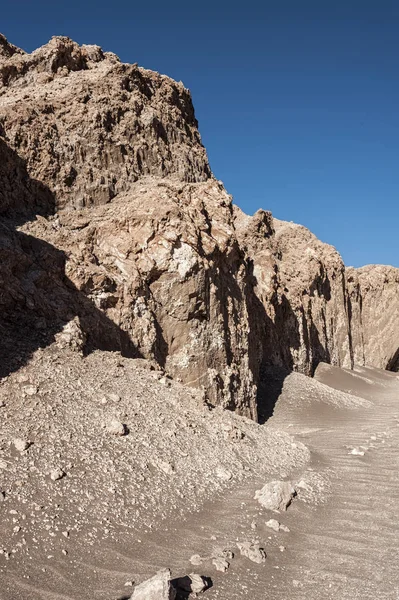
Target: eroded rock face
[(300, 283), (315, 309), (142, 250), (88, 125), (375, 290), (164, 264)]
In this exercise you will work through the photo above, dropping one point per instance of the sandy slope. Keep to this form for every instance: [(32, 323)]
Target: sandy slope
[(178, 453), (343, 539)]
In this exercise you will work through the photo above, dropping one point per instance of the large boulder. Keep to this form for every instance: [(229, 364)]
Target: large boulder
[(159, 587)]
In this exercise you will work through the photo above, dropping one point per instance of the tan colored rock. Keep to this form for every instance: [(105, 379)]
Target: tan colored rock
[(159, 587), (252, 551), (99, 124), (139, 249), (314, 308), (191, 584), (156, 273), (276, 495), (375, 299), (115, 427)]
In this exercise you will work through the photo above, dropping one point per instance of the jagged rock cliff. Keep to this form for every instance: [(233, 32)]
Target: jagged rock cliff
[(88, 125), (374, 292), (142, 249), (158, 271)]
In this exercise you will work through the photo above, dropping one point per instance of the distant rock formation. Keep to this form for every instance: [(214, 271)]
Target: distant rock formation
[(143, 248)]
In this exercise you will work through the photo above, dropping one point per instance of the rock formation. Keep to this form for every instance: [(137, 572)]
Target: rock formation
[(375, 321), (112, 220)]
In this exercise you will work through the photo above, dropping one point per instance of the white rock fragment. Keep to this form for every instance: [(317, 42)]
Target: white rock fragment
[(57, 474), (30, 390), (20, 444), (159, 587), (196, 560), (273, 524), (115, 427), (166, 467), (276, 495), (223, 473), (357, 452)]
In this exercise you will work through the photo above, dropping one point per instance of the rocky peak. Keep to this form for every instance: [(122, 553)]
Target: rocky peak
[(6, 49), (88, 126)]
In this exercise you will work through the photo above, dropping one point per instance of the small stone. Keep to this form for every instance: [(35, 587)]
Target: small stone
[(20, 444), (30, 390), (221, 564), (357, 452), (166, 467), (129, 583), (252, 551), (276, 495), (57, 474), (115, 427), (192, 583), (223, 474), (273, 524), (196, 560)]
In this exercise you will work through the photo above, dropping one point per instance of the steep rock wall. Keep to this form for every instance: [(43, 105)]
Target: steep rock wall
[(145, 233), (317, 310), (139, 249), (376, 323)]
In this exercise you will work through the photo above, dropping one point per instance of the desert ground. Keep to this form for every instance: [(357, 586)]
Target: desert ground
[(182, 483)]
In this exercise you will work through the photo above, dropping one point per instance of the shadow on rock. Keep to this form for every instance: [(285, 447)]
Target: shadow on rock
[(37, 299), (270, 387), (190, 584)]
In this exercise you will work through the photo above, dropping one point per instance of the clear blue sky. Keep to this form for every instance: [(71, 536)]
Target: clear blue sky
[(297, 101)]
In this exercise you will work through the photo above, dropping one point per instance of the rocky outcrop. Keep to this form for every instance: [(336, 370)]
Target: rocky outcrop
[(115, 235), (315, 309), (300, 283), (164, 264), (375, 322), (157, 272), (88, 125)]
